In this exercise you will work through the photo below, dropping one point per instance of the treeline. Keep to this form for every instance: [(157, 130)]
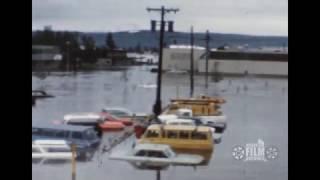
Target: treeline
[(74, 45)]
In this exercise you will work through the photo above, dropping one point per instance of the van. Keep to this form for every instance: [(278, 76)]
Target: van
[(85, 138), (180, 137)]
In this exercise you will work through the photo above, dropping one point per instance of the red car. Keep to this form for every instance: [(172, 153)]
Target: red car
[(109, 117), (111, 126)]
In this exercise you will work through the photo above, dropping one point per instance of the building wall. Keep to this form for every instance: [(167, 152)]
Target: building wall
[(252, 67), (46, 53), (46, 57), (176, 58)]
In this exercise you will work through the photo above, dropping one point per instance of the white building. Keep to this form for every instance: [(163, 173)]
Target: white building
[(235, 62), (46, 53), (46, 57), (251, 62), (178, 57)]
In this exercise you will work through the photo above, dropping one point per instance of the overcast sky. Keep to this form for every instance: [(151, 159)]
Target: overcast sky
[(256, 17)]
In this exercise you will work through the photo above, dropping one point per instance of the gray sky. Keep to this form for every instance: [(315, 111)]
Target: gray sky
[(256, 17)]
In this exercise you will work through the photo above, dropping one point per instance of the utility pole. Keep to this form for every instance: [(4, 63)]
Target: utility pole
[(158, 174), (207, 39), (73, 163), (191, 63), (157, 106), (68, 55)]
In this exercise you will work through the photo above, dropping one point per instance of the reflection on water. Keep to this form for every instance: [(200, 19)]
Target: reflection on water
[(207, 155), (258, 111)]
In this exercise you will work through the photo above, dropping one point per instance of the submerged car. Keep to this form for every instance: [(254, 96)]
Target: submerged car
[(109, 117), (157, 156), (97, 120), (85, 138)]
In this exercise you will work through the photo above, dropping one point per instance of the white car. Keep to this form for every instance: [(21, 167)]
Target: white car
[(51, 149), (83, 118), (157, 155), (219, 122), (124, 113), (180, 122)]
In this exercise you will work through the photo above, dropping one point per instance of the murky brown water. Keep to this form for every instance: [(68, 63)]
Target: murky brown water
[(258, 113)]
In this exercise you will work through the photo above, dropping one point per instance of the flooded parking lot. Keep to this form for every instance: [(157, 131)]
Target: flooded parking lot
[(256, 109)]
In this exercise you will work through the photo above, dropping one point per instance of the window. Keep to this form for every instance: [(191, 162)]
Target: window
[(199, 135), (36, 131), (219, 129), (169, 153), (48, 132), (172, 134), (152, 134), (156, 154), (198, 122), (118, 113), (61, 134), (76, 135), (58, 149), (184, 134), (186, 114), (141, 153), (90, 135)]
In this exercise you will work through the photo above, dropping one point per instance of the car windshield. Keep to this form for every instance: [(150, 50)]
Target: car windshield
[(114, 117), (90, 135), (118, 113), (58, 149)]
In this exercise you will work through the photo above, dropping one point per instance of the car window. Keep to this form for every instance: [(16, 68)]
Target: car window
[(141, 153), (118, 113), (152, 134), (184, 134), (157, 154), (76, 135), (61, 134), (36, 131), (199, 135), (58, 149), (48, 132), (172, 134), (90, 135)]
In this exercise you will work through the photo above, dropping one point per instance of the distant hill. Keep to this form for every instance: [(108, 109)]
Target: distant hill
[(150, 39)]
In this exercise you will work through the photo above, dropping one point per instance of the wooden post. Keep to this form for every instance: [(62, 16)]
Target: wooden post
[(158, 175), (74, 152)]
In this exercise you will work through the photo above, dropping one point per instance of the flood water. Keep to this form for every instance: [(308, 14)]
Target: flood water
[(256, 109)]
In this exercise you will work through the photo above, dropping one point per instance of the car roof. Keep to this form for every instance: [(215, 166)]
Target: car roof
[(61, 127), (50, 142), (180, 127), (116, 108), (152, 147), (179, 121), (83, 115)]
